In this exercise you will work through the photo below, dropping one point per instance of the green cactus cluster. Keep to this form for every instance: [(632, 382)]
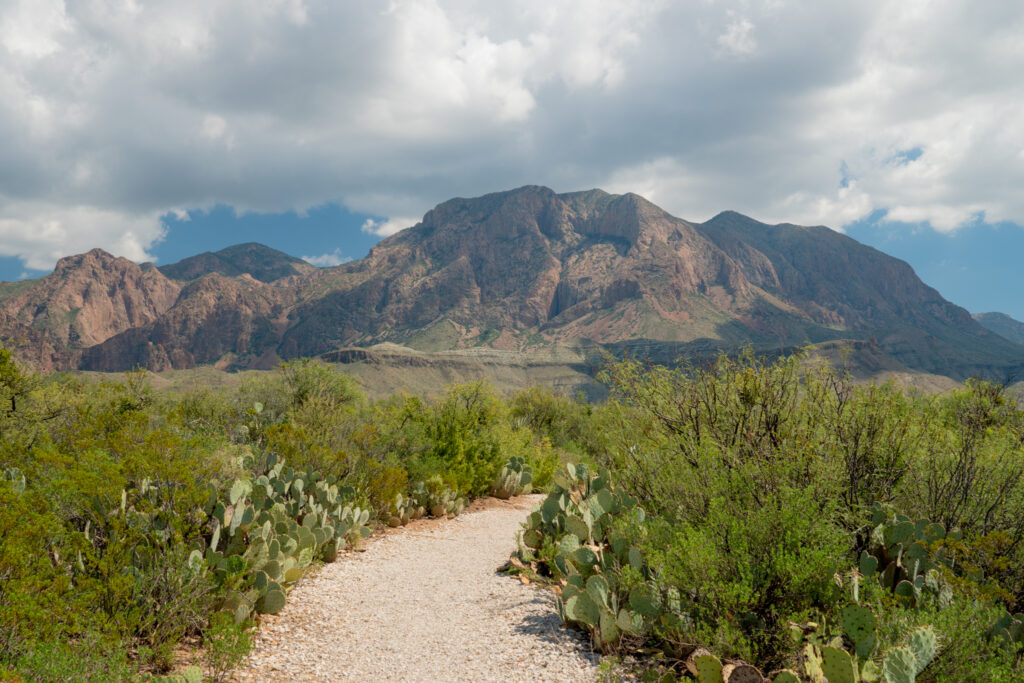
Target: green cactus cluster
[(577, 520), (145, 511), (1009, 627), (269, 531), (832, 662), (514, 479), (572, 536), (905, 555), (437, 498), (403, 509)]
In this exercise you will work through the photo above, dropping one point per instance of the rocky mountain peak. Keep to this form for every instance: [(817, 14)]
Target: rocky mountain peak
[(90, 297), (520, 270), (93, 259)]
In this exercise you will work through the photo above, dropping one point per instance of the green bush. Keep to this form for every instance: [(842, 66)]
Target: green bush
[(86, 660), (32, 585), (225, 645), (757, 477)]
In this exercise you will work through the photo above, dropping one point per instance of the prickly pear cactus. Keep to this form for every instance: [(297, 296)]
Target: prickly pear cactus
[(438, 498), (266, 531), (401, 511), (904, 555), (514, 479), (709, 669), (577, 519)]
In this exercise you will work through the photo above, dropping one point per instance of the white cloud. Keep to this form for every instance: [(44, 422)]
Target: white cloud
[(737, 39), (114, 113), (32, 28), (214, 127), (333, 258), (41, 234), (387, 227)]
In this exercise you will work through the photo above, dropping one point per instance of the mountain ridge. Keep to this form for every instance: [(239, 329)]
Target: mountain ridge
[(1003, 325), (260, 261), (520, 270)]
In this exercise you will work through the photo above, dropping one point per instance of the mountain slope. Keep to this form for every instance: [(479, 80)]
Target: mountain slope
[(261, 262), (525, 267), (1003, 325), (521, 270), (214, 317), (841, 283), (87, 299)]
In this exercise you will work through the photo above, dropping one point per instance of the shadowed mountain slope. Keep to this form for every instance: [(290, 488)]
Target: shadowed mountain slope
[(1003, 325), (261, 262)]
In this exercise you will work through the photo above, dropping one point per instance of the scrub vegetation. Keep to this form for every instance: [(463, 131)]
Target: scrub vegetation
[(749, 519), (133, 521), (717, 519)]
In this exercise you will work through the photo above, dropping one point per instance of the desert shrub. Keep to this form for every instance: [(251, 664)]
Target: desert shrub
[(544, 460), (225, 645), (969, 471), (756, 477), (471, 437), (202, 411), (867, 435), (171, 596), (751, 568), (32, 585), (462, 430), (295, 385), (87, 660), (563, 421)]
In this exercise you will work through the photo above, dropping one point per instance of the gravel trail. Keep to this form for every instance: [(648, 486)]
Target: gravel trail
[(423, 603)]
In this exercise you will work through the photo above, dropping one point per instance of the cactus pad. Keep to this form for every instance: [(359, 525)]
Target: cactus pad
[(837, 665), (923, 643), (858, 622), (271, 603), (899, 666), (709, 669)]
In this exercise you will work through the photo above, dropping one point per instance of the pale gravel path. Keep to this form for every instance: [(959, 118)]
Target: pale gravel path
[(423, 603)]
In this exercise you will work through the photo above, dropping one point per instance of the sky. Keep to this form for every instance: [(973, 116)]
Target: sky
[(159, 129)]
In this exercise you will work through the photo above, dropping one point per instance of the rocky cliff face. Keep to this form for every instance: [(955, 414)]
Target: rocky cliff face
[(214, 317), (586, 265), (513, 270), (87, 299)]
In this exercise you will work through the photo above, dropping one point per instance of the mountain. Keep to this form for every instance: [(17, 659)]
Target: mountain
[(528, 270), (236, 321), (87, 299), (1003, 325), (261, 262)]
